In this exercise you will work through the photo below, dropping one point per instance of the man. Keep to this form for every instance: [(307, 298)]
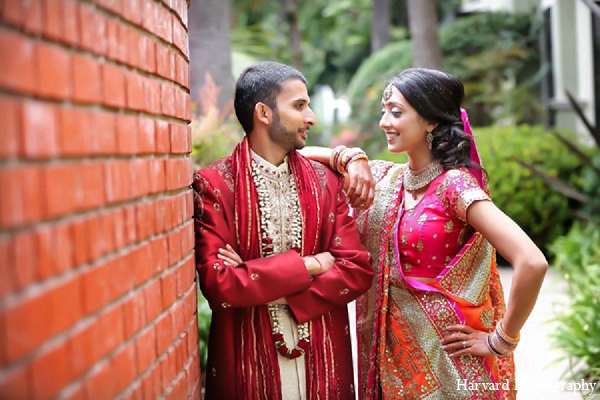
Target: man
[(279, 326)]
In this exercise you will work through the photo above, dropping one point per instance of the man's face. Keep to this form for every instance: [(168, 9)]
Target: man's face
[(292, 117)]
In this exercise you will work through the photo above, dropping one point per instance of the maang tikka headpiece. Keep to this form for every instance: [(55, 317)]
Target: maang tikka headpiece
[(387, 93)]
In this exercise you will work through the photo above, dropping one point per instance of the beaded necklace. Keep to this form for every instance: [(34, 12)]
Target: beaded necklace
[(267, 225), (415, 180)]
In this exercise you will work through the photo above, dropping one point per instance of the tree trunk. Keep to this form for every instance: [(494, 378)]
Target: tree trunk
[(290, 9), (211, 80), (422, 17), (380, 30)]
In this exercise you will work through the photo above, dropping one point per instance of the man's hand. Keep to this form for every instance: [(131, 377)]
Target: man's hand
[(359, 184)]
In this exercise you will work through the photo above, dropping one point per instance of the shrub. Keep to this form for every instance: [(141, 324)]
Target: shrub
[(541, 211), (577, 335)]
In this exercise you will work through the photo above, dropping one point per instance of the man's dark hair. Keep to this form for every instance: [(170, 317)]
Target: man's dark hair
[(260, 83)]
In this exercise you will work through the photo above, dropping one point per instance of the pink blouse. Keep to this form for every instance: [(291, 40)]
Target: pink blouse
[(435, 229)]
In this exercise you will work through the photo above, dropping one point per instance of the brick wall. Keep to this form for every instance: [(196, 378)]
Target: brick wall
[(97, 293)]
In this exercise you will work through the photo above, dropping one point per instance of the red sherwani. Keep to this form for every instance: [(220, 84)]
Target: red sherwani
[(257, 282)]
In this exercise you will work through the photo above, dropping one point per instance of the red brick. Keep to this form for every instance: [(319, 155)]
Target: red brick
[(162, 57), (149, 213), (152, 96), (71, 22), (25, 333), (145, 349), (160, 256), (168, 286), (116, 41), (133, 11), (117, 181), (114, 6), (73, 135), (10, 112), (13, 12), (40, 136), (98, 244), (152, 384), (113, 85), (186, 274), (187, 237), (139, 177), (100, 385), (189, 204), (134, 312), (17, 69), (164, 333), (134, 84), (116, 218), (111, 326), (34, 21), (13, 205), (105, 137), (145, 220), (163, 138), (165, 25), (123, 367), (152, 299), (130, 226), (134, 44), (91, 190), (86, 79), (62, 247), (83, 348), (150, 16), (59, 183), (105, 283), (168, 100), (168, 367), (16, 384), (54, 20), (151, 56), (50, 372), (157, 176), (53, 70), (6, 284), (147, 136), (93, 29), (142, 264), (179, 139), (80, 241), (24, 259), (44, 251), (127, 134), (174, 243)]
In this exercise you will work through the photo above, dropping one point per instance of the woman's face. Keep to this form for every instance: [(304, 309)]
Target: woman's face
[(404, 128)]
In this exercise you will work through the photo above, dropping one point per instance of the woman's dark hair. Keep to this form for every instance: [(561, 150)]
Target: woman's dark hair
[(437, 96), (260, 83)]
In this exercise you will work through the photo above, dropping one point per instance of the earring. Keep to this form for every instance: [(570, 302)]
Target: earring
[(429, 138)]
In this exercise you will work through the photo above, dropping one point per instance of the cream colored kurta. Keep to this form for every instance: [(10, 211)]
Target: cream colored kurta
[(284, 203)]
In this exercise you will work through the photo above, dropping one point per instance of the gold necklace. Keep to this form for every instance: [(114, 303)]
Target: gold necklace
[(415, 180)]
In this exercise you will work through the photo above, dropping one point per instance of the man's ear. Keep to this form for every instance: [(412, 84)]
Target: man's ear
[(263, 113)]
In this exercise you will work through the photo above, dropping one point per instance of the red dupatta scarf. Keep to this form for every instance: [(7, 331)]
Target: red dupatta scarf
[(258, 372)]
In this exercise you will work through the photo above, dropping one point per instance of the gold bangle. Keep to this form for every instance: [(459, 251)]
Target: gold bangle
[(505, 336)]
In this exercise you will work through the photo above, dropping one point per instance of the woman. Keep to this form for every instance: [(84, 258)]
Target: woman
[(434, 324)]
